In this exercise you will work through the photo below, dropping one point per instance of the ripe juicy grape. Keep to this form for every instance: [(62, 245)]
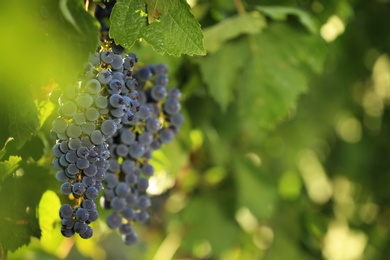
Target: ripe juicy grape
[(154, 121)]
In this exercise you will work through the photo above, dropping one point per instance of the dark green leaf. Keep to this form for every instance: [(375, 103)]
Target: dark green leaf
[(19, 198), (254, 191), (23, 119), (177, 31), (280, 13), (217, 35), (205, 220), (265, 73)]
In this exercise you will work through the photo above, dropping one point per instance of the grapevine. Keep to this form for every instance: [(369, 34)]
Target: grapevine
[(108, 125)]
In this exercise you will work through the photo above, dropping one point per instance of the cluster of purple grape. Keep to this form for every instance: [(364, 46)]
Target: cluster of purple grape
[(108, 126)]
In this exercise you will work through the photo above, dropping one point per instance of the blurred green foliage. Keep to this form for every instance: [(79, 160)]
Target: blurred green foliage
[(284, 153)]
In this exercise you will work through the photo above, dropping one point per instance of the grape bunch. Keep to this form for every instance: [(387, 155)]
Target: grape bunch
[(109, 124), (155, 122), (81, 152)]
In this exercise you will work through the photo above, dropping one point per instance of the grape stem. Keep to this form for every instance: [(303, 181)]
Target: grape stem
[(239, 6)]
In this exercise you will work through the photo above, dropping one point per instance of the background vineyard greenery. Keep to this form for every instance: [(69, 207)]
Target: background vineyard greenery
[(284, 153)]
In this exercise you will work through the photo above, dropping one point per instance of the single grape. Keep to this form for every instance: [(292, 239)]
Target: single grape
[(89, 181), (129, 214), (82, 214), (152, 125), (161, 68), (143, 202), (93, 86), (115, 87), (121, 150), (142, 216), (80, 227), (121, 190), (158, 92), (142, 184), (59, 125), (91, 193), (166, 135), (68, 109), (78, 188), (108, 127), (91, 170), (72, 169), (101, 102), (114, 220), (174, 93), (171, 106), (145, 138), (82, 163), (130, 239), (79, 118), (66, 211), (107, 56), (143, 74), (74, 143), (117, 62), (66, 188), (177, 120), (136, 150), (84, 100), (73, 130), (93, 215), (162, 79), (144, 112), (118, 112), (56, 151), (67, 232), (88, 233), (148, 169), (88, 128), (85, 141), (104, 76), (118, 204), (82, 152), (92, 114), (131, 179), (97, 137), (125, 229), (116, 100), (67, 223), (111, 180)]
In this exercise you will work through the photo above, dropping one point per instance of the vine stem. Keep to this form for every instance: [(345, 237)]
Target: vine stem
[(239, 6), (86, 5)]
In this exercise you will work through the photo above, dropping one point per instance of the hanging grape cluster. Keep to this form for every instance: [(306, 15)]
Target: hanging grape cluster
[(108, 125)]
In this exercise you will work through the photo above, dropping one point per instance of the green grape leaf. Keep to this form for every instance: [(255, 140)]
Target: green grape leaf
[(264, 73), (9, 166), (254, 191), (19, 198), (230, 59), (205, 220), (23, 120), (176, 32), (217, 35), (156, 8), (280, 13)]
